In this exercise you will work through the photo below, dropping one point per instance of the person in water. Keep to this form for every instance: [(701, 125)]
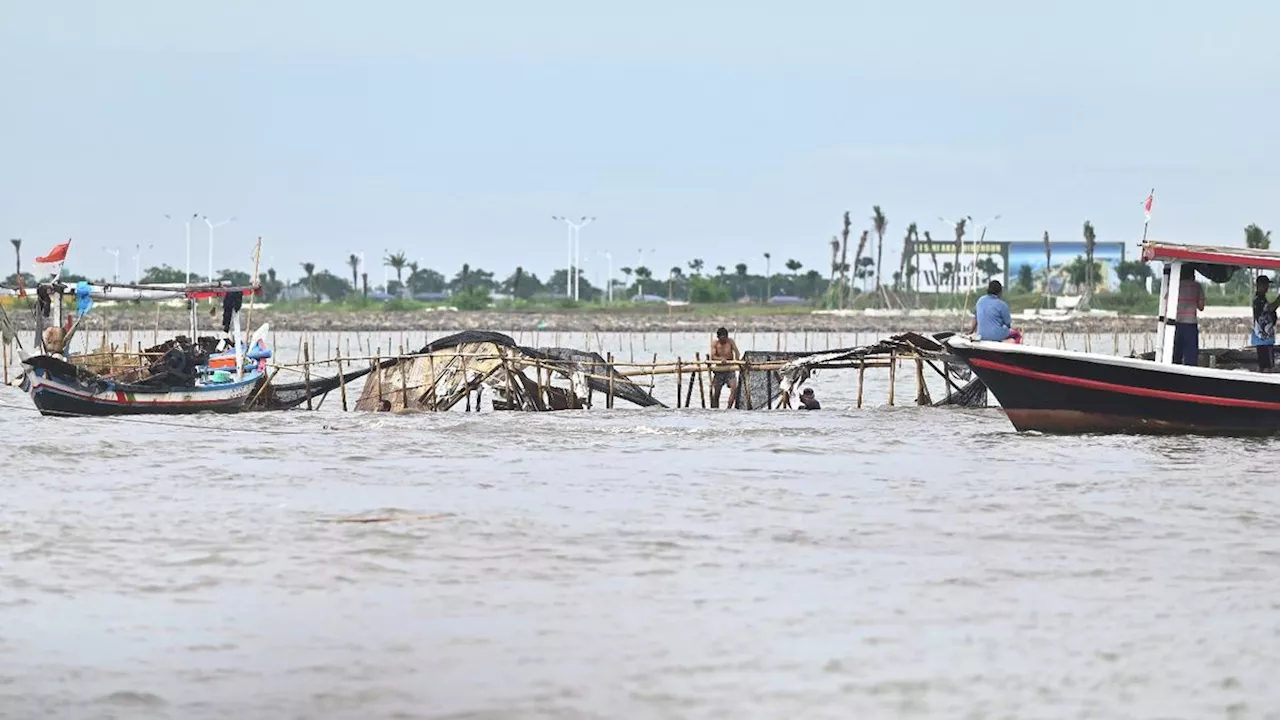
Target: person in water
[(723, 348), (1264, 324), (1186, 331), (809, 401), (991, 318)]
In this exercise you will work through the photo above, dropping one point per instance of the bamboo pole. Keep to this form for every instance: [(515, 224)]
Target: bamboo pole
[(862, 373), (679, 381), (688, 395), (431, 368), (466, 384), (306, 356), (921, 390), (404, 383), (342, 384), (893, 374), (609, 402), (702, 391), (4, 349), (744, 385), (377, 371), (511, 386)]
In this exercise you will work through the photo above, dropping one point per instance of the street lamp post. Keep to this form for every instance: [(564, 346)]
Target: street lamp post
[(982, 234), (115, 253), (768, 278), (640, 258), (575, 252), (137, 262), (213, 225), (188, 224)]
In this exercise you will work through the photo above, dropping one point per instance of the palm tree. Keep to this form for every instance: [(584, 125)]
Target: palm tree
[(413, 273), (857, 257), (844, 255), (1089, 244), (642, 273), (17, 257), (741, 270), (880, 223), (310, 270), (955, 273), (1048, 262), (720, 271), (515, 284), (465, 277), (354, 262), (835, 265), (271, 274), (695, 266), (397, 261), (933, 255), (906, 257), (1254, 237), (625, 271), (676, 272)]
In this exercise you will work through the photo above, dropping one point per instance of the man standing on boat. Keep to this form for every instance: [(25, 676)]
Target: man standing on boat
[(723, 348), (1186, 333), (991, 318), (1264, 323)]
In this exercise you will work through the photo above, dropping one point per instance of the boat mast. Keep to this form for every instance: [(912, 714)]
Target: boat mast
[(191, 305), (1168, 316), (235, 328)]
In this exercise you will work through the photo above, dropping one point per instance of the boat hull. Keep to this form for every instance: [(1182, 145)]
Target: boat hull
[(1076, 393), (67, 397)]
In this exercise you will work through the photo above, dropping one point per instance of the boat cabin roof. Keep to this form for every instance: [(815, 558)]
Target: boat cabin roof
[(1155, 251)]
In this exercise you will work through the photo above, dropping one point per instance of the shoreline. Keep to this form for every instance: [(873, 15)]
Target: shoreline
[(569, 321)]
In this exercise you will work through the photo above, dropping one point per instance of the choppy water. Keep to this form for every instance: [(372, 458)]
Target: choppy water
[(889, 562)]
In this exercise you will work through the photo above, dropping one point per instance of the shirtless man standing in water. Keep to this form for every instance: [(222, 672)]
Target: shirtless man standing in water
[(723, 348)]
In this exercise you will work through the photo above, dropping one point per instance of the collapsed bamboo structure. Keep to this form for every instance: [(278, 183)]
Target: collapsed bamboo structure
[(466, 368), (480, 370)]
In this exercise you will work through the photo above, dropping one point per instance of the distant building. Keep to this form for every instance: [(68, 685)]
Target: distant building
[(431, 296)]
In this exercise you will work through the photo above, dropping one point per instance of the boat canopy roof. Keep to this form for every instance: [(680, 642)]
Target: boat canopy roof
[(1155, 251)]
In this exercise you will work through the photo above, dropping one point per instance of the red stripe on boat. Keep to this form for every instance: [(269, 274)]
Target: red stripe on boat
[(1124, 389)]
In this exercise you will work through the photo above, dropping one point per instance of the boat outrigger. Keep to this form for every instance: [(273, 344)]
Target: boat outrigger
[(1062, 391)]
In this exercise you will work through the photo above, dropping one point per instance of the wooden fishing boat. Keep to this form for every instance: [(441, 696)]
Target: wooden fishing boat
[(60, 388), (209, 374), (1061, 391)]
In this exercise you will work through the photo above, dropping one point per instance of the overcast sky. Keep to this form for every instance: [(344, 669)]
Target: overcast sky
[(720, 130)]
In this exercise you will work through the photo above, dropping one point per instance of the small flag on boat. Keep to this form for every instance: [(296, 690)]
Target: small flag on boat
[(1146, 205), (56, 255)]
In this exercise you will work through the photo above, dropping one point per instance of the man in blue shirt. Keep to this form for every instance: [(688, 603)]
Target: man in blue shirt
[(991, 318)]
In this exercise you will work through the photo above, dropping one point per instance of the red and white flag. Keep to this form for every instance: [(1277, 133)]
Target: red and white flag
[(1146, 204), (56, 255)]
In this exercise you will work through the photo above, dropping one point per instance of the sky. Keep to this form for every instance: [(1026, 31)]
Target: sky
[(717, 130)]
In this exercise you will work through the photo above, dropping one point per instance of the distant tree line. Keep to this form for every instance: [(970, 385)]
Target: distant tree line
[(698, 283)]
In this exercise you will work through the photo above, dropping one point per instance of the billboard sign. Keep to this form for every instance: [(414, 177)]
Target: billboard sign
[(1003, 261)]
